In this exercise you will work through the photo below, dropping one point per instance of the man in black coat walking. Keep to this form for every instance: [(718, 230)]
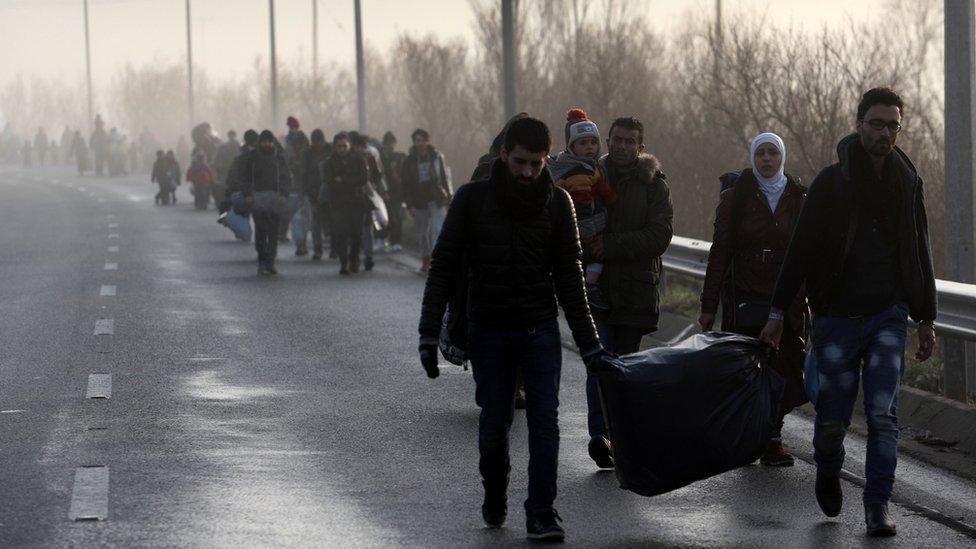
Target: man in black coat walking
[(514, 236), (267, 182)]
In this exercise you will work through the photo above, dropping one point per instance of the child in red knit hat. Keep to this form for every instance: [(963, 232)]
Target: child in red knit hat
[(578, 170)]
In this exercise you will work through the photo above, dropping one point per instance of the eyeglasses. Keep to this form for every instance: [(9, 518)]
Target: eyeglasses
[(877, 124)]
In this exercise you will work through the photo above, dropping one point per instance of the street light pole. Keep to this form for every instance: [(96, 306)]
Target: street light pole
[(274, 67), (508, 57), (360, 68), (315, 40), (91, 116), (960, 171), (189, 67)]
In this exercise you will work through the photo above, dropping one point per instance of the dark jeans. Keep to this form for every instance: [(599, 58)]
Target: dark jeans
[(496, 355), (394, 210), (320, 223), (347, 226), (201, 197), (615, 338), (266, 236), (869, 349)]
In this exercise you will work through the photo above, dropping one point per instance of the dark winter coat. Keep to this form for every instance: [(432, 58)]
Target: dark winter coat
[(749, 245), (265, 172), (344, 179), (314, 158), (393, 168), (522, 252), (235, 174), (638, 233), (226, 154), (419, 194), (825, 233), (161, 172)]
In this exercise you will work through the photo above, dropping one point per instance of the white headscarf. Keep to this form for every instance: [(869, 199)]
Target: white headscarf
[(772, 187)]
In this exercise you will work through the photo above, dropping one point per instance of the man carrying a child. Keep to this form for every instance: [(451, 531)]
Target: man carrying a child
[(623, 205)]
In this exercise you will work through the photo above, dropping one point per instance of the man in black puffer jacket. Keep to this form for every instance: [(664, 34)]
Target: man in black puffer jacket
[(516, 233)]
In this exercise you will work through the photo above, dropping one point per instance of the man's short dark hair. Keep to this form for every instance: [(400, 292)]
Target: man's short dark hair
[(530, 133), (389, 138), (231, 134), (879, 96), (420, 132), (358, 140), (251, 137), (629, 123), (341, 136)]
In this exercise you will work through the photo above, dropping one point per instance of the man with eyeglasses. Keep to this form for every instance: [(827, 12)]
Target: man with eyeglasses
[(861, 246)]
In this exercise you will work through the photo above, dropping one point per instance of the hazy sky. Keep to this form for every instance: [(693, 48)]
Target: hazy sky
[(46, 37)]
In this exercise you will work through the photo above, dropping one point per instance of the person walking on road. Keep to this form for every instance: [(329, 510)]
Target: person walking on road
[(344, 179), (223, 160), (427, 190), (315, 157), (80, 151), (360, 145), (753, 224), (393, 170), (298, 215), (162, 175), (639, 230), (99, 143), (514, 236), (41, 146), (176, 174), (266, 185), (201, 175), (861, 246)]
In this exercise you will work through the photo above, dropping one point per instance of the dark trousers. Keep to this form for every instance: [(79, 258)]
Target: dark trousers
[(320, 224), (846, 351), (201, 197), (496, 355), (347, 226), (394, 210), (615, 338), (266, 236)]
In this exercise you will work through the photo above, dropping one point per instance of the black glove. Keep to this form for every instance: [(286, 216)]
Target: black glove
[(428, 358), (599, 361)]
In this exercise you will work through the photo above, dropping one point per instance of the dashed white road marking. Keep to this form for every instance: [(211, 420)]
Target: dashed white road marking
[(113, 249), (104, 326), (111, 266), (113, 235), (113, 225), (99, 386), (107, 290), (11, 411), (89, 497)]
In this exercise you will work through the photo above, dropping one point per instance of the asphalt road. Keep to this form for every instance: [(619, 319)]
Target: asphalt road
[(292, 411)]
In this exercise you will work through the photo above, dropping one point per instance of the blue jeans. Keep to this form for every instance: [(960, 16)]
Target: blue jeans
[(870, 349), (496, 355), (618, 339)]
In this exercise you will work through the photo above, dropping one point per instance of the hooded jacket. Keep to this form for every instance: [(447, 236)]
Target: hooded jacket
[(638, 232), (824, 235), (265, 172), (522, 253), (416, 193)]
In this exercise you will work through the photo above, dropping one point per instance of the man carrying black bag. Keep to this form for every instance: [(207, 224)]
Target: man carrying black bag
[(518, 234)]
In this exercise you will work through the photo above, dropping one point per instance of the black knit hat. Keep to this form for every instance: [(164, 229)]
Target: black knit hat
[(266, 135)]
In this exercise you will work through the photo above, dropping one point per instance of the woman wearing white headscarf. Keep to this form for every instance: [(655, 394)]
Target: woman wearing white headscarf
[(753, 225)]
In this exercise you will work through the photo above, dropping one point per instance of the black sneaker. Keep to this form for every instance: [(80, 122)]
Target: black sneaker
[(829, 495), (495, 508), (271, 268), (602, 453), (344, 271), (368, 264), (262, 269), (544, 526)]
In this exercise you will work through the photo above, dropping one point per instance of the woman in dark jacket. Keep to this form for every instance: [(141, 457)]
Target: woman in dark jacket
[(753, 224)]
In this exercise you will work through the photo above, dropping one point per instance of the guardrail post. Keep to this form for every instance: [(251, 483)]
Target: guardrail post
[(960, 358)]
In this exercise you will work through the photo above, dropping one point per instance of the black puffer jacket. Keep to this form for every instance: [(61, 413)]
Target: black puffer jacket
[(521, 258)]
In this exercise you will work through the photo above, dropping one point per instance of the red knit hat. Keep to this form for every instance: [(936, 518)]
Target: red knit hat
[(293, 122)]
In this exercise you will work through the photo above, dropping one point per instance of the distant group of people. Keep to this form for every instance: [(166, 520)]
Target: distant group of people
[(853, 249)]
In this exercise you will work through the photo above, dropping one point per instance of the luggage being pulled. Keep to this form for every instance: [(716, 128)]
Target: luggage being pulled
[(685, 413)]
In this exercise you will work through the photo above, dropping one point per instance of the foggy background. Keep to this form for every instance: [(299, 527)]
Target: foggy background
[(796, 68)]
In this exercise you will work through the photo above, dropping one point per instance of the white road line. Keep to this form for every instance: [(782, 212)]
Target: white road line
[(111, 266), (89, 497), (113, 249), (113, 235), (99, 386), (113, 225), (111, 216), (105, 326), (107, 291), (11, 411)]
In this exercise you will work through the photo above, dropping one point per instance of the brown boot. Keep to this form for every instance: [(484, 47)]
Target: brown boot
[(425, 264), (776, 455)]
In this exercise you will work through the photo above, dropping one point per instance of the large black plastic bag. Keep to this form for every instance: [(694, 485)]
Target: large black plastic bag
[(684, 413)]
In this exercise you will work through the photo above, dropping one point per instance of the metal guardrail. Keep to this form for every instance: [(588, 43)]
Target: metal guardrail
[(957, 301)]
